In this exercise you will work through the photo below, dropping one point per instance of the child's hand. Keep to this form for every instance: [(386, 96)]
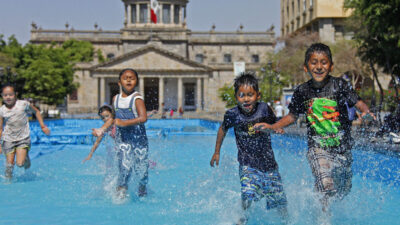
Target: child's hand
[(262, 127), (88, 157), (279, 131), (119, 122), (368, 116), (46, 130), (215, 158), (97, 132)]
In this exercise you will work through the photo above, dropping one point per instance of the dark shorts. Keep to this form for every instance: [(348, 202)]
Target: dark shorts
[(331, 170), (9, 147), (256, 184)]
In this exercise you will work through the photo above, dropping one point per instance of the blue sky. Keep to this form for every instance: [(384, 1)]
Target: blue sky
[(17, 15)]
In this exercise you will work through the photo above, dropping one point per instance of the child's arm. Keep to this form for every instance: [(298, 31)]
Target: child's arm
[(95, 145), (45, 129), (285, 121), (220, 138), (97, 132), (1, 130), (360, 105), (142, 115)]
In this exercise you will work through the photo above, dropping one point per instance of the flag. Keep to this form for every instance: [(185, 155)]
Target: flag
[(153, 11)]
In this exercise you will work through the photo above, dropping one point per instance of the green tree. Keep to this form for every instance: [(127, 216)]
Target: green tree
[(377, 32), (46, 72), (227, 94)]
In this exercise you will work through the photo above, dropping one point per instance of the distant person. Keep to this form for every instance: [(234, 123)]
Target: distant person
[(279, 111), (171, 113), (15, 134), (180, 112), (258, 170), (131, 139), (323, 99), (163, 113)]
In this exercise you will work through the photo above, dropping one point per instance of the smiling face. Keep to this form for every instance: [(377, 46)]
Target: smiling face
[(128, 82), (105, 115), (318, 66), (9, 97), (247, 98)]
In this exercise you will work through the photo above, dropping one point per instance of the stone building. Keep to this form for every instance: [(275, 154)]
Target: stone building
[(177, 66), (323, 16)]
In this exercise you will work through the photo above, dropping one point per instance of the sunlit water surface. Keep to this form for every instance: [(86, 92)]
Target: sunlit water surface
[(183, 188)]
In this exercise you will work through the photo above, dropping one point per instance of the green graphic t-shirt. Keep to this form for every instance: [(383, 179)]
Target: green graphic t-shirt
[(326, 111)]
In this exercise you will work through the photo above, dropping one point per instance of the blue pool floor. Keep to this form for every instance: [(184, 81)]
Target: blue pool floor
[(183, 188)]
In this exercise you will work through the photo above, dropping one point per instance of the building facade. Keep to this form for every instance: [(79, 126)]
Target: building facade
[(177, 67), (323, 16)]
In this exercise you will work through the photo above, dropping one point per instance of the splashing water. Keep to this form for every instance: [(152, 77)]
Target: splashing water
[(184, 189)]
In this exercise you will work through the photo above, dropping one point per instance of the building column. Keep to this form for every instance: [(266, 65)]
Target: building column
[(172, 8), (160, 20), (126, 14), (184, 15), (129, 14), (180, 14), (198, 97), (102, 90), (160, 93), (137, 13), (180, 87), (205, 89), (148, 13), (141, 86)]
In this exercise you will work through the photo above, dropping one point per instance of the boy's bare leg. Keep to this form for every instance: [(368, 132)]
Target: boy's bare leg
[(23, 158), (9, 165), (283, 213), (245, 206)]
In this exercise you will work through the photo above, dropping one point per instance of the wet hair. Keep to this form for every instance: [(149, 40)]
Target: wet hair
[(108, 108), (246, 78), (128, 69), (318, 47), (7, 85)]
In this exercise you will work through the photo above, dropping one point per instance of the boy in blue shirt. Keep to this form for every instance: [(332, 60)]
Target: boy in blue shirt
[(258, 170)]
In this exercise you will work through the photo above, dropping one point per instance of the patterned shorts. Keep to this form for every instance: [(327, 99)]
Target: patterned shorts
[(332, 171), (256, 184)]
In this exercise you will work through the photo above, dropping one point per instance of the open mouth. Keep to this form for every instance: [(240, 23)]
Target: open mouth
[(247, 106)]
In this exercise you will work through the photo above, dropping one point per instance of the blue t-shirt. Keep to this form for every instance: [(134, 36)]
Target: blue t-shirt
[(254, 148)]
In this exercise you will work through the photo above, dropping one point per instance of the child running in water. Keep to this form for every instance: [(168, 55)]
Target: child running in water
[(15, 135), (323, 99), (131, 139), (258, 170)]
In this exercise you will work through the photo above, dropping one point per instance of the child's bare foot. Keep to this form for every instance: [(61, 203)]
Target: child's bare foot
[(242, 221), (121, 192), (142, 192)]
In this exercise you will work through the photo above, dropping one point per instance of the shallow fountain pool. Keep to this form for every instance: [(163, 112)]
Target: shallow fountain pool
[(183, 188)]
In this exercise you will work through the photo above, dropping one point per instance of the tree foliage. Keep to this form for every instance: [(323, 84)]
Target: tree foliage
[(45, 72), (377, 31)]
